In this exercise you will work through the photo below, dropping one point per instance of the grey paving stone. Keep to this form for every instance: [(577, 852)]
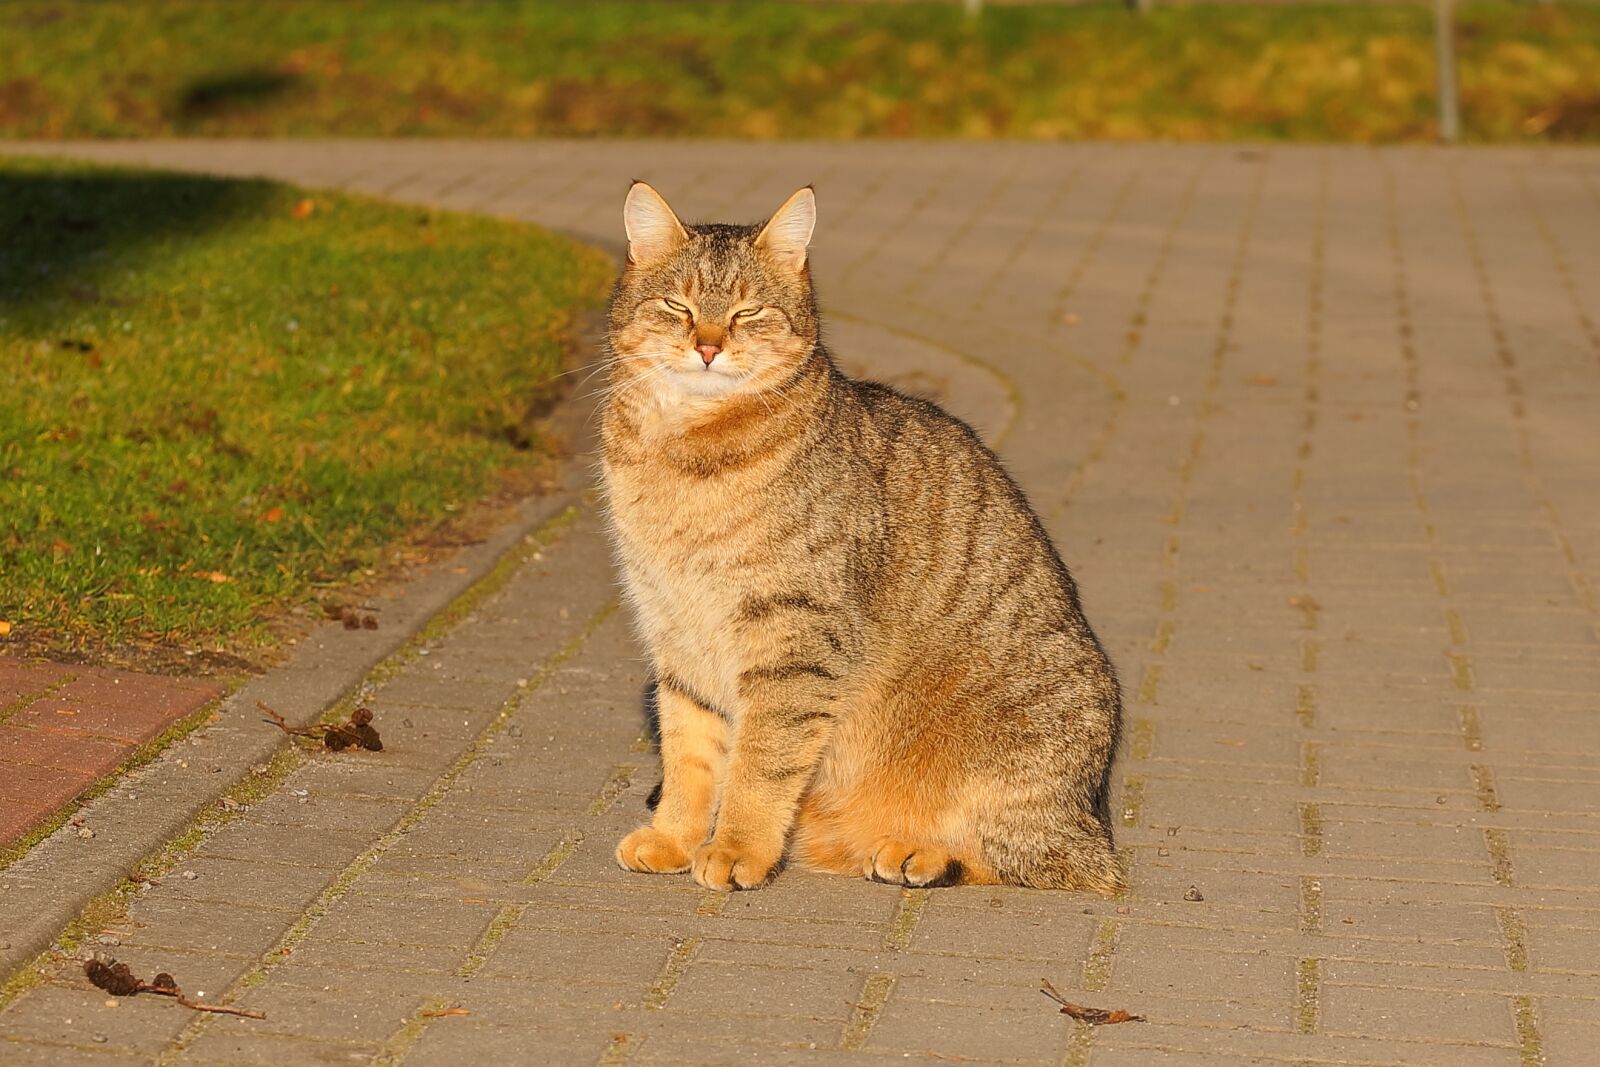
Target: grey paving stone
[(80, 1015), (377, 957), (406, 920), (160, 924), (450, 1045), (223, 1044), (332, 1011), (271, 842), (1014, 1035), (221, 883), (61, 1054)]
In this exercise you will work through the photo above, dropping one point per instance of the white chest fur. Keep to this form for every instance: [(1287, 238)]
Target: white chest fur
[(685, 551)]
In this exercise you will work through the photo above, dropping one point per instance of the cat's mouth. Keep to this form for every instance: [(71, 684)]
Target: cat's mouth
[(705, 379)]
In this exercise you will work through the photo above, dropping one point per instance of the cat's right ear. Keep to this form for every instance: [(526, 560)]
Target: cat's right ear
[(653, 230), (787, 234)]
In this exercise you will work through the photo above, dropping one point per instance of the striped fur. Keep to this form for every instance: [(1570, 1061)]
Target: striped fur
[(869, 658)]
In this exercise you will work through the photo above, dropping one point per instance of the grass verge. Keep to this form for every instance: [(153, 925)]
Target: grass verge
[(229, 396), (762, 70)]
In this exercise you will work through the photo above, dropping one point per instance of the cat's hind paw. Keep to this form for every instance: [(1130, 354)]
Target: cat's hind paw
[(726, 867), (650, 851), (896, 862)]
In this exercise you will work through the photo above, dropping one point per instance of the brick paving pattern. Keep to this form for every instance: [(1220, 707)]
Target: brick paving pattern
[(1316, 430), (62, 727)]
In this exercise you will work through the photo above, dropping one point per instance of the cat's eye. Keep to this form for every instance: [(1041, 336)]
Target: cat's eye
[(675, 306), (746, 313)]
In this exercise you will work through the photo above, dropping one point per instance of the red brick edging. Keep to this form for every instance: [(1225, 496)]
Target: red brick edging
[(62, 727)]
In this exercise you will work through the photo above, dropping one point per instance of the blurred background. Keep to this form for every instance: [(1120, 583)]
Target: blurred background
[(1045, 70)]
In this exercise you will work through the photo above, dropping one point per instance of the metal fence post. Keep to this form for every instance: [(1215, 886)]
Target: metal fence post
[(1444, 50)]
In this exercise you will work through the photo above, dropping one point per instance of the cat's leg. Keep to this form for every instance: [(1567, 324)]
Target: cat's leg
[(694, 751), (888, 802), (788, 715), (885, 829)]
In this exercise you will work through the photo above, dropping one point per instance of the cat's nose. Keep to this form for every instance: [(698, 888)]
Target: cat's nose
[(708, 352)]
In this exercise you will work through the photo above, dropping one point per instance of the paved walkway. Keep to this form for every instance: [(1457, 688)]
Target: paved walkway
[(1317, 431)]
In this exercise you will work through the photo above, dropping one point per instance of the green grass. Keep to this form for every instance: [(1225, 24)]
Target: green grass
[(219, 405), (762, 70)]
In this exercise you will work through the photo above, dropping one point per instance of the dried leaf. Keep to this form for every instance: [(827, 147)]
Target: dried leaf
[(1092, 1016)]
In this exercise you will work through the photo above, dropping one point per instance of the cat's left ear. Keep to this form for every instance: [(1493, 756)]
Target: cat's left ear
[(788, 233)]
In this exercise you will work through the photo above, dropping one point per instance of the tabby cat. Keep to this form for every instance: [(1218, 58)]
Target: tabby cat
[(869, 658)]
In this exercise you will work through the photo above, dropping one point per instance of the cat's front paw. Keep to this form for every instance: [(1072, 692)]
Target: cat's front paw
[(727, 866), (652, 852)]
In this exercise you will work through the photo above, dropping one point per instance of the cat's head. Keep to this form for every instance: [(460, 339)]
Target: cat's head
[(712, 310)]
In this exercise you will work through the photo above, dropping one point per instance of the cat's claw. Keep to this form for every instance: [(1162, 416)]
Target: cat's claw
[(727, 867), (650, 851)]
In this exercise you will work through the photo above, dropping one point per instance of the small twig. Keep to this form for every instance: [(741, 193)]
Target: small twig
[(283, 724), (220, 1009), (115, 978)]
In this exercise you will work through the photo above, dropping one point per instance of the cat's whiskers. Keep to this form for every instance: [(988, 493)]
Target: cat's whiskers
[(760, 394), (609, 363), (613, 392), (611, 386), (786, 396), (604, 364)]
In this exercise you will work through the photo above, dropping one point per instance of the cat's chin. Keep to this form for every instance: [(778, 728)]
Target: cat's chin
[(700, 384)]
